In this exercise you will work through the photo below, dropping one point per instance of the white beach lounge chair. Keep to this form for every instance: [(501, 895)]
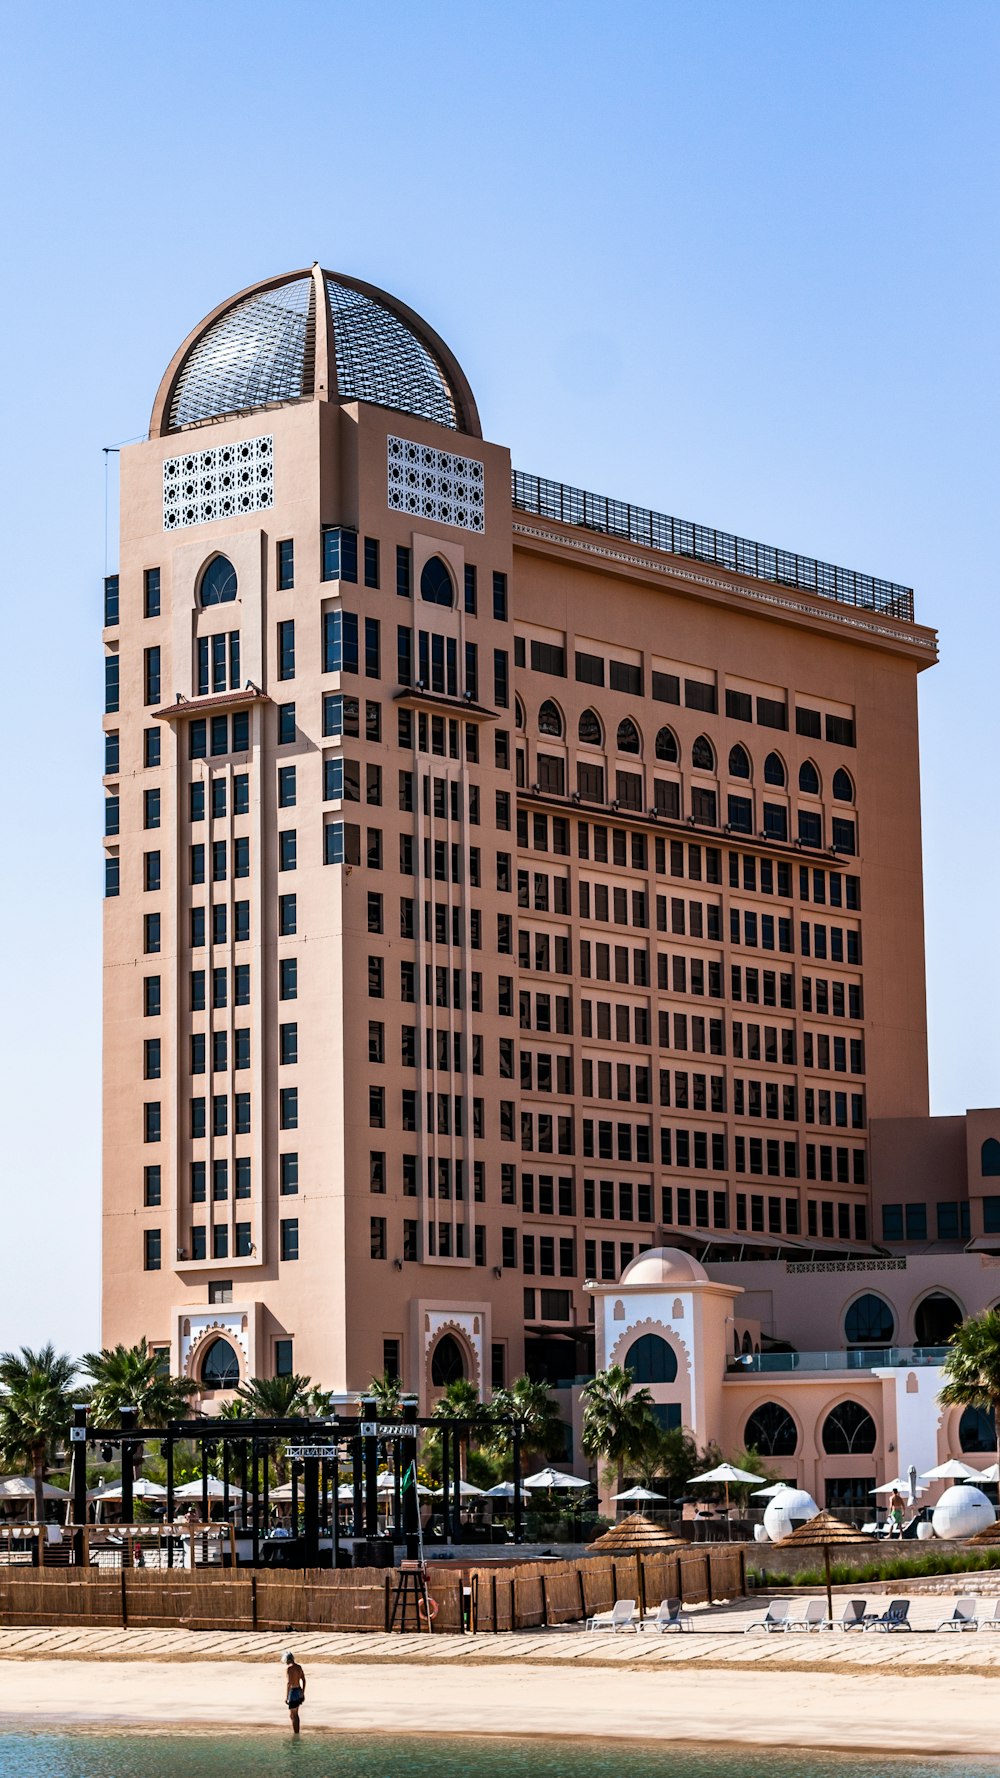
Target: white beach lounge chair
[(774, 1617), (620, 1617), (812, 1618), (991, 1623), (851, 1618), (964, 1616), (669, 1617)]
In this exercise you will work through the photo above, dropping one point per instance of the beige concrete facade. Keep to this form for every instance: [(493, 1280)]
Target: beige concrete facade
[(615, 1019)]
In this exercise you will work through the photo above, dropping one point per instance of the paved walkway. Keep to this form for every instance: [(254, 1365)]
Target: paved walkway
[(715, 1641)]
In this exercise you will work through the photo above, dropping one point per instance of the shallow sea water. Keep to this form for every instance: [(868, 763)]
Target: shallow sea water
[(97, 1755)]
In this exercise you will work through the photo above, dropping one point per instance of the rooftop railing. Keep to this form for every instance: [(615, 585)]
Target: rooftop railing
[(701, 543), (856, 1359)]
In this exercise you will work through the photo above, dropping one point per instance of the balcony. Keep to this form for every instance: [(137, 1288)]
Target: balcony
[(866, 1358)]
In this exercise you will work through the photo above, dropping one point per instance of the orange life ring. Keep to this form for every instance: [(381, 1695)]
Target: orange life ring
[(430, 1611)]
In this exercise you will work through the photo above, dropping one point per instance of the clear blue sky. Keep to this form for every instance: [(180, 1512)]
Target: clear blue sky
[(737, 261)]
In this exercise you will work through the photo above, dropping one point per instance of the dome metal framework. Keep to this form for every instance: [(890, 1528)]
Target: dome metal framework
[(313, 334)]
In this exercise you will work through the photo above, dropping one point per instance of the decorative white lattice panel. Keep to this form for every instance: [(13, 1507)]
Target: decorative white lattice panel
[(433, 484), (218, 483)]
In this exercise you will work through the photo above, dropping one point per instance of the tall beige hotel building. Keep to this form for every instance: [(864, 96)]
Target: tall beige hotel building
[(500, 879)]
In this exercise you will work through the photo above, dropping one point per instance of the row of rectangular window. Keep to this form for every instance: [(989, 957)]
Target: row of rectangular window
[(909, 1222), (150, 596)]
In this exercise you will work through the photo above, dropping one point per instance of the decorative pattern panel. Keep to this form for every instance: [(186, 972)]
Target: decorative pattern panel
[(439, 485), (218, 483)]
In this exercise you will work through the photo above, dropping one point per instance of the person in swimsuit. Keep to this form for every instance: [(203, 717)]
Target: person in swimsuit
[(295, 1689)]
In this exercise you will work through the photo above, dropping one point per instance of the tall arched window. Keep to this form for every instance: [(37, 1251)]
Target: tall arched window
[(739, 762), (666, 746), (977, 1431), (436, 585), (771, 1431), (808, 778), (220, 1367), (848, 1430), (843, 789), (519, 721), (590, 730), (989, 1158), (774, 770), (628, 736), (869, 1322), (550, 721), (447, 1364), (218, 583), (651, 1360), (703, 754), (936, 1319)]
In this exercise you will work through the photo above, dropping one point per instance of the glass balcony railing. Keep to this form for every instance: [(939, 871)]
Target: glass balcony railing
[(864, 1358)]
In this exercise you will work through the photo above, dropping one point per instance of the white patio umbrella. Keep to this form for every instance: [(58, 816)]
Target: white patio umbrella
[(726, 1473), (638, 1493), (21, 1487), (386, 1485), (989, 1475), (553, 1478), (142, 1489), (501, 1491), (465, 1489), (952, 1471), (216, 1490), (898, 1486), (769, 1493)]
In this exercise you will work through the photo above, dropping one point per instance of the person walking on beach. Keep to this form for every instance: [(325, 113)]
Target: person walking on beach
[(897, 1507), (295, 1689)]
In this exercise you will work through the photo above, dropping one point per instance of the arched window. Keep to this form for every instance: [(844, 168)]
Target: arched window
[(770, 1430), (590, 730), (436, 585), (848, 1430), (869, 1322), (808, 778), (666, 746), (651, 1360), (519, 721), (220, 1367), (550, 721), (739, 762), (936, 1319), (989, 1158), (843, 789), (703, 754), (628, 736), (447, 1364), (774, 770), (977, 1431), (747, 1342), (218, 583)]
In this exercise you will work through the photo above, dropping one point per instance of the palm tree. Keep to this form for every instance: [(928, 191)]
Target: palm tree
[(616, 1418), (972, 1367), (387, 1394), (277, 1398), (133, 1377), (460, 1401), (528, 1406), (34, 1409)]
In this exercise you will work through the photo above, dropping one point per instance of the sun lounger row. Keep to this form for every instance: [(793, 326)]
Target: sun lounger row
[(623, 1616), (856, 1616)]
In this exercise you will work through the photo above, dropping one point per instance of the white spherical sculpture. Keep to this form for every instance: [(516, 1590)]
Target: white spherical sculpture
[(786, 1510), (961, 1512)]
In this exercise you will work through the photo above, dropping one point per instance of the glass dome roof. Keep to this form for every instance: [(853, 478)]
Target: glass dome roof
[(313, 333)]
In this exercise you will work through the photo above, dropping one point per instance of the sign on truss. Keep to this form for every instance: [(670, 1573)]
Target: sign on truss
[(388, 1429), (299, 1453)]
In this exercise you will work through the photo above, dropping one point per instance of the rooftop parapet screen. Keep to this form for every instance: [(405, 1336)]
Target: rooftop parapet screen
[(701, 543)]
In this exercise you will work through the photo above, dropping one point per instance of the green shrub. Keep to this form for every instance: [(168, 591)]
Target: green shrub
[(884, 1567)]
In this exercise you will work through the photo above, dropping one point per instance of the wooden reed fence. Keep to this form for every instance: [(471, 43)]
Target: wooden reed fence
[(525, 1595)]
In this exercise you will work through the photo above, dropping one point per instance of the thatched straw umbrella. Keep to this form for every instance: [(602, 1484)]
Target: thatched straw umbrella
[(989, 1534), (636, 1535), (819, 1533)]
